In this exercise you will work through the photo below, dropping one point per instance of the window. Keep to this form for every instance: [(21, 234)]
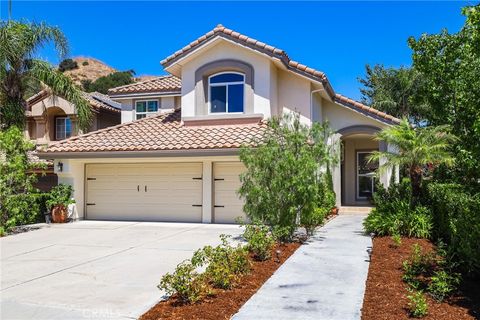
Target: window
[(145, 108), (365, 175), (226, 92), (63, 128)]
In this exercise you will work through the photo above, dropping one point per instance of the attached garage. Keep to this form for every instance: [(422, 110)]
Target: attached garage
[(228, 206), (144, 192)]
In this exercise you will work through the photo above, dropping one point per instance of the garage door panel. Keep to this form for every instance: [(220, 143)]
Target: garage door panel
[(228, 204), (169, 194)]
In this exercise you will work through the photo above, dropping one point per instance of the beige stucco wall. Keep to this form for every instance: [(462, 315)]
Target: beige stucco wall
[(294, 94), (223, 50)]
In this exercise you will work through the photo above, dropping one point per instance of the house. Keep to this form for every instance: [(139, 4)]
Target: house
[(175, 155), (51, 118)]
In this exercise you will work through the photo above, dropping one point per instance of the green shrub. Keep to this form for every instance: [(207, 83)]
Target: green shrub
[(417, 304), (403, 221), (67, 64), (19, 200), (60, 195), (112, 80), (185, 282), (85, 63), (260, 241), (418, 264), (457, 222), (282, 180), (442, 284), (225, 263)]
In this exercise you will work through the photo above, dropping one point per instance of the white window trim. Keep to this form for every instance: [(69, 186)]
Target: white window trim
[(146, 113), (362, 175), (65, 125), (226, 84)]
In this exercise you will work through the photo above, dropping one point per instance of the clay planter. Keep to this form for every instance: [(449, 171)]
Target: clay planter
[(334, 211), (59, 214)]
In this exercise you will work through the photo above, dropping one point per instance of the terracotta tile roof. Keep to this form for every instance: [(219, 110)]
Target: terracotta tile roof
[(159, 84), (221, 31), (357, 106), (161, 132), (97, 100)]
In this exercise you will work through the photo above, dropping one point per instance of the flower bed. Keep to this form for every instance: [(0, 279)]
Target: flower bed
[(224, 303), (386, 293)]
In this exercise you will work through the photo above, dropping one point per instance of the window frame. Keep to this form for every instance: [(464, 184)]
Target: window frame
[(146, 113), (65, 125), (226, 84)]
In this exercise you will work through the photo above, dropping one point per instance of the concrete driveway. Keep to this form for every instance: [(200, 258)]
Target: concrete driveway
[(94, 269)]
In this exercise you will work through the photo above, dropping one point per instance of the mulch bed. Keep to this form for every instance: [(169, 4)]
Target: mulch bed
[(225, 303), (385, 296)]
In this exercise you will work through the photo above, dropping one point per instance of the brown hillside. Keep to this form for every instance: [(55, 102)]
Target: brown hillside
[(92, 71)]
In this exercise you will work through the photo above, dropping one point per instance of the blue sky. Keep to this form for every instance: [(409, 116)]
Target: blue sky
[(338, 38)]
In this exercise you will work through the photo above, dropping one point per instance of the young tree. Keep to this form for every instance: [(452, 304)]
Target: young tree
[(112, 80), (415, 149), (283, 176), (395, 91), (19, 69)]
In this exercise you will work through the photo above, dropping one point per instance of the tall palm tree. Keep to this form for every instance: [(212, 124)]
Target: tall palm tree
[(415, 148), (20, 70)]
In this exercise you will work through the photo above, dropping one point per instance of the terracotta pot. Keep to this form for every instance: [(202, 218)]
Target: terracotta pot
[(59, 214), (334, 211)]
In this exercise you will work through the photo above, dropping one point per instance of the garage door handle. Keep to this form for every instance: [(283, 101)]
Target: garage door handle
[(219, 206), (196, 205), (218, 179), (90, 204), (138, 188), (145, 188)]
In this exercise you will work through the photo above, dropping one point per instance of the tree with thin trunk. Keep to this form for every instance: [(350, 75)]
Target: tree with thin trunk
[(415, 148), (20, 71)]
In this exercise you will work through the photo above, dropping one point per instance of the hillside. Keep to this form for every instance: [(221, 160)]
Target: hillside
[(89, 69)]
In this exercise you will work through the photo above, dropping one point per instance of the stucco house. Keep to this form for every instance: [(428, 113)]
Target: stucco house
[(51, 118), (175, 155)]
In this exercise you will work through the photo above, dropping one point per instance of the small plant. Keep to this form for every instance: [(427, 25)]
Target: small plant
[(442, 285), (397, 240), (60, 195), (185, 282), (417, 304), (67, 64), (85, 63), (418, 264), (259, 241), (225, 263), (2, 232)]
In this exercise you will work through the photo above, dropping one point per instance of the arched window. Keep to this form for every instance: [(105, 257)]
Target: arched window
[(226, 92)]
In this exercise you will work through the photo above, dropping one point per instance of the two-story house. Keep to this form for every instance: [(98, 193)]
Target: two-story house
[(51, 118), (175, 155)]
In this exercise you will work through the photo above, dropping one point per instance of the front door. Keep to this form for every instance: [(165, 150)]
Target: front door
[(366, 172)]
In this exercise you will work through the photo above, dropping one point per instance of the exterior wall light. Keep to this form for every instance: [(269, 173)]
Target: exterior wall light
[(60, 166)]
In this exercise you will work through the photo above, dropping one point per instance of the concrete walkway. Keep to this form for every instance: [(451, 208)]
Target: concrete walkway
[(323, 280)]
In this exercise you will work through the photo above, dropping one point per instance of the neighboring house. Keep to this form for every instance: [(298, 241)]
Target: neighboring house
[(179, 160), (51, 118)]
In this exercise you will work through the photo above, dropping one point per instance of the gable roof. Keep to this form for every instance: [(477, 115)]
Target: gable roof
[(163, 132), (164, 84), (97, 100), (362, 108), (221, 31)]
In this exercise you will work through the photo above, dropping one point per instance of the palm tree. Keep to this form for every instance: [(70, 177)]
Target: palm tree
[(20, 71), (415, 148)]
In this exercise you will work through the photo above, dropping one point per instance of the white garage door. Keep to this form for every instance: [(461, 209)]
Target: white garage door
[(144, 191), (227, 204)]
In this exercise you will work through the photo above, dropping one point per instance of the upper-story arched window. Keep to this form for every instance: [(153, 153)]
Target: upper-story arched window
[(226, 92)]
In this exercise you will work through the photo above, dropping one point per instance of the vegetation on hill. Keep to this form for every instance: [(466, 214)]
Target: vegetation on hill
[(112, 80)]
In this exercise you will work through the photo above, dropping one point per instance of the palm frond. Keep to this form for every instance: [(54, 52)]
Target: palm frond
[(62, 85)]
